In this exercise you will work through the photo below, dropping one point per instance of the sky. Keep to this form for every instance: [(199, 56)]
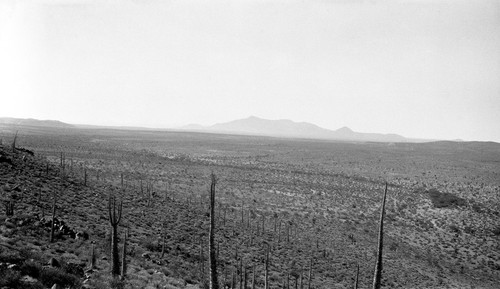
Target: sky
[(423, 69)]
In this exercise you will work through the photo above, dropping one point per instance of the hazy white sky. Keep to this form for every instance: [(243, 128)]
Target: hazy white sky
[(428, 69)]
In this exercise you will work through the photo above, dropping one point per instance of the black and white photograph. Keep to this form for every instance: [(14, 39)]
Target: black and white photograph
[(249, 144)]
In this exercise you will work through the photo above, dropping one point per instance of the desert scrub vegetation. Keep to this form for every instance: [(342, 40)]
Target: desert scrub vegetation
[(302, 202), (445, 199), (15, 266)]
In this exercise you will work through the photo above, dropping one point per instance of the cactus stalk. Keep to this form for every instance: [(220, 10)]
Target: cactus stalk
[(214, 283), (124, 256), (115, 215), (357, 277), (53, 217), (378, 265)]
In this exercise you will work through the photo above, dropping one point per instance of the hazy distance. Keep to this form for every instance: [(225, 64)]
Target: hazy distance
[(421, 69)]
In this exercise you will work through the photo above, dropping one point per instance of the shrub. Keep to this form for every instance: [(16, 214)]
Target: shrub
[(151, 246), (49, 276), (116, 283), (454, 229), (445, 200), (9, 278), (31, 268)]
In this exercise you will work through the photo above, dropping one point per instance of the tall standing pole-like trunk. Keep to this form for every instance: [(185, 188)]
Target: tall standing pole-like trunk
[(224, 221), (14, 143), (378, 265), (53, 217), (241, 273), (233, 281), (357, 277), (301, 279), (279, 232), (124, 256), (202, 260), (310, 274), (266, 273), (214, 283), (245, 278), (253, 277), (163, 237), (92, 256), (242, 217), (263, 224), (115, 215)]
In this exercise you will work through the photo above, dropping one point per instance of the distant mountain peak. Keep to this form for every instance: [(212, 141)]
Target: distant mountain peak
[(254, 125), (344, 129)]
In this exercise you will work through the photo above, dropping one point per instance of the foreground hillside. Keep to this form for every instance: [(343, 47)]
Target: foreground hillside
[(311, 201), (26, 255)]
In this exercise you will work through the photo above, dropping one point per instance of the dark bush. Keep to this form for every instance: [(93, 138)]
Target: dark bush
[(9, 278), (74, 269), (49, 276), (151, 246), (31, 268), (445, 200), (454, 229), (116, 283)]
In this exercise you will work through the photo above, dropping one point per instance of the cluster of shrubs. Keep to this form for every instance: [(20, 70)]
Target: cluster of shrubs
[(14, 268), (444, 199)]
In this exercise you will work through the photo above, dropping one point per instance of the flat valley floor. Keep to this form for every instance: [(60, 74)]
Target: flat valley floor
[(312, 201)]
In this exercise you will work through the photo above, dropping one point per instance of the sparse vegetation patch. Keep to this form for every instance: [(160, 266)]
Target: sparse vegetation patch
[(444, 199)]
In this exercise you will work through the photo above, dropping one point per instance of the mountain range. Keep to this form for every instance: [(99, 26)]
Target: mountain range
[(34, 122), (290, 129), (247, 126)]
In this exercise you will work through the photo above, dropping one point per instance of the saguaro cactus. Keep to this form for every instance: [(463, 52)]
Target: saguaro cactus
[(253, 277), (202, 260), (310, 274), (92, 256), (9, 207), (115, 215), (14, 143), (53, 217), (214, 283), (245, 278), (266, 273), (378, 265), (357, 277), (163, 237), (124, 256)]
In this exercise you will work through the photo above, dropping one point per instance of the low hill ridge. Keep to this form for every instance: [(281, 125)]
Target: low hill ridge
[(34, 122), (287, 128)]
